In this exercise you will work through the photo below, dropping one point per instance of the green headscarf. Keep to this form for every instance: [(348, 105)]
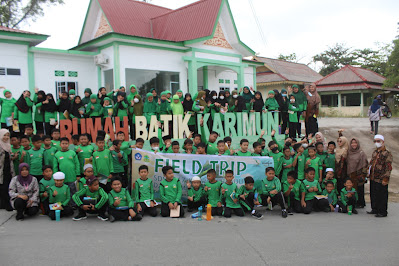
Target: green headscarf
[(247, 96), (182, 96), (72, 92), (88, 90), (5, 91), (177, 108)]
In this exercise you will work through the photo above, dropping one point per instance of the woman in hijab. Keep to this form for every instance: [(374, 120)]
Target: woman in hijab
[(227, 95), (154, 95), (319, 137), (375, 114), (188, 110), (121, 105), (207, 95), (136, 109), (77, 110), (102, 93), (64, 105), (133, 92), (6, 169), (23, 111), (300, 99), (240, 105), (86, 99), (232, 101), (7, 108), (49, 107), (24, 193), (341, 154), (176, 105), (248, 95), (284, 110), (258, 104), (200, 106), (357, 169), (312, 110)]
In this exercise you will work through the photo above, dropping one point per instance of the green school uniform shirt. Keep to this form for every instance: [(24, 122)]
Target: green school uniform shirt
[(103, 163), (229, 202), (286, 162), (225, 153), (344, 195), (296, 190), (43, 187), (81, 183), (292, 113), (211, 148), (63, 194), (119, 163), (269, 185), (329, 161), (26, 155), (263, 153), (24, 118), (278, 161), (243, 190), (170, 191), (57, 144), (214, 193), (322, 156), (143, 190), (50, 115), (125, 147), (16, 161), (323, 184), (96, 112), (49, 155), (35, 159), (123, 195), (68, 163), (301, 161), (85, 153), (317, 164), (100, 195), (38, 116), (197, 194), (7, 108), (306, 185), (271, 104), (332, 197), (121, 112), (240, 153)]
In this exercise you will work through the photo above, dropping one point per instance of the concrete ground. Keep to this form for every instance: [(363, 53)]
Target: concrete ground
[(315, 239)]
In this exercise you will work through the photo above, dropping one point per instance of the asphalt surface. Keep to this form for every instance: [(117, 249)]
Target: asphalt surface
[(315, 239)]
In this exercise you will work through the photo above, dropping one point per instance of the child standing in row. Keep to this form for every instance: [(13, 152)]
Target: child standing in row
[(213, 190), (59, 193)]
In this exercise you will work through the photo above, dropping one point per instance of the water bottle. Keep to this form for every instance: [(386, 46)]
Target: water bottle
[(200, 213), (208, 212), (350, 210), (336, 208), (57, 215)]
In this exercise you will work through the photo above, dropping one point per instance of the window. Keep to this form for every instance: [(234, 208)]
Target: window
[(59, 73), (221, 81), (2, 71), (330, 100), (109, 80), (73, 74), (61, 86), (227, 81), (350, 99), (13, 71)]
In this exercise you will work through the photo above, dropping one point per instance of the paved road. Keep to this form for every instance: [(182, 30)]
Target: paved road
[(316, 239)]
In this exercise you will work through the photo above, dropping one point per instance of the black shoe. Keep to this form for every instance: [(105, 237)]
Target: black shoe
[(111, 218), (102, 217), (138, 217), (257, 215), (290, 211), (379, 215), (79, 217), (354, 211), (372, 212), (9, 208), (284, 213), (190, 210), (19, 217)]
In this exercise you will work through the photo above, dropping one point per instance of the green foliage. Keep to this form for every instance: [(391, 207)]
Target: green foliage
[(291, 57), (13, 12), (392, 72)]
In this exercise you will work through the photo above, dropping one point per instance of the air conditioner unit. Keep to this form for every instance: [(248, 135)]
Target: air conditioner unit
[(101, 59)]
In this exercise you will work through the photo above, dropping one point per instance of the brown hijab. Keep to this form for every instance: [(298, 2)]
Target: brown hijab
[(357, 159), (342, 150), (200, 100)]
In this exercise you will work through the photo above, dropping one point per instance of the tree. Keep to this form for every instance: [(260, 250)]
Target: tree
[(13, 12), (334, 58), (392, 69), (291, 57)]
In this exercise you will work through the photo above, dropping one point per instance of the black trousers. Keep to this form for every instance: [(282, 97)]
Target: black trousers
[(122, 215), (5, 197), (312, 127), (374, 127), (315, 205), (294, 205), (284, 125), (379, 198), (351, 202), (237, 211), (39, 126), (22, 128), (20, 206), (48, 128), (299, 125), (293, 129), (165, 211), (217, 211), (46, 208), (248, 204), (100, 211), (67, 211), (360, 193), (151, 211), (276, 199), (194, 205)]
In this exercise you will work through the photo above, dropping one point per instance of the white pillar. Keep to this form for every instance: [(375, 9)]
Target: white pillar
[(361, 104)]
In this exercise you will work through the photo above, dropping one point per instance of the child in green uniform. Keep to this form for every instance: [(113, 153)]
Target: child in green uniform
[(35, 158), (119, 161), (271, 191), (293, 117), (49, 150), (84, 151), (154, 143), (16, 150), (143, 193), (49, 107), (330, 157), (108, 109), (211, 146), (46, 182), (299, 161), (91, 199), (86, 99), (349, 198), (315, 163), (201, 148), (258, 151), (55, 135), (67, 161), (329, 178), (321, 154), (222, 148), (291, 190), (75, 142), (244, 143), (59, 193), (248, 197), (309, 189), (170, 191), (94, 108), (23, 111), (329, 191), (81, 180), (25, 143), (287, 163), (196, 194), (102, 163), (7, 109), (214, 193), (175, 147), (121, 205), (277, 157), (271, 103), (121, 106), (230, 196), (188, 147)]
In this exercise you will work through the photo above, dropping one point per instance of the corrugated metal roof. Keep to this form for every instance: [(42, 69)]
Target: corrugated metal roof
[(350, 74), (268, 77), (19, 31), (291, 71)]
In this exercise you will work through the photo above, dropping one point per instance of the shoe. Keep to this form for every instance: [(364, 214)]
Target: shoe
[(79, 217), (270, 206), (9, 209), (138, 217), (257, 215), (359, 206), (190, 210), (371, 212), (102, 217), (354, 211), (19, 217), (290, 212), (111, 218), (284, 213), (379, 215)]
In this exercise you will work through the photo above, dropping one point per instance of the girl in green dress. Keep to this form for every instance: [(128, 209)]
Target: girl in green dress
[(49, 107), (23, 111), (7, 110)]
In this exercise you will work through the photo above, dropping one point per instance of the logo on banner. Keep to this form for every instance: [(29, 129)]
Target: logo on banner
[(138, 156)]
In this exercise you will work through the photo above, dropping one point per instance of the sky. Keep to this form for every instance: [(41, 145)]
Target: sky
[(304, 27)]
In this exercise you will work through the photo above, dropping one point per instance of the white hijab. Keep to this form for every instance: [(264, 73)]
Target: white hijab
[(4, 145)]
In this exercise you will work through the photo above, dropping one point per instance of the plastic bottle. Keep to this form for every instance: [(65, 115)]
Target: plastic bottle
[(208, 212), (200, 213), (336, 208), (350, 210), (57, 215)]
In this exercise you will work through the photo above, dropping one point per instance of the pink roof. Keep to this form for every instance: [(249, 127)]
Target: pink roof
[(18, 31), (350, 74), (141, 19)]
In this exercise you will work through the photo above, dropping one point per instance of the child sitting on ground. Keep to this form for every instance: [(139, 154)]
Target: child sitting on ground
[(60, 193), (329, 191), (196, 194), (170, 191), (248, 197), (214, 193), (121, 205), (230, 196), (349, 198), (291, 189), (144, 193), (329, 178), (271, 191), (91, 199), (309, 189)]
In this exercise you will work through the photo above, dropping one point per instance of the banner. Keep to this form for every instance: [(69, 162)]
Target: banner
[(188, 165)]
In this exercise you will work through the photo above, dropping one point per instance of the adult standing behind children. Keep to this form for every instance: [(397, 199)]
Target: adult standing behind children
[(374, 114), (341, 154), (6, 169), (312, 110), (357, 169), (379, 174)]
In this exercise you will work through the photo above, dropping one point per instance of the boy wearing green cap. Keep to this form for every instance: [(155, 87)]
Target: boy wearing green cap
[(7, 110)]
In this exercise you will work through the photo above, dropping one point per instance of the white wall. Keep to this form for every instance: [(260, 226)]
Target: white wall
[(47, 63), (14, 56), (249, 77)]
